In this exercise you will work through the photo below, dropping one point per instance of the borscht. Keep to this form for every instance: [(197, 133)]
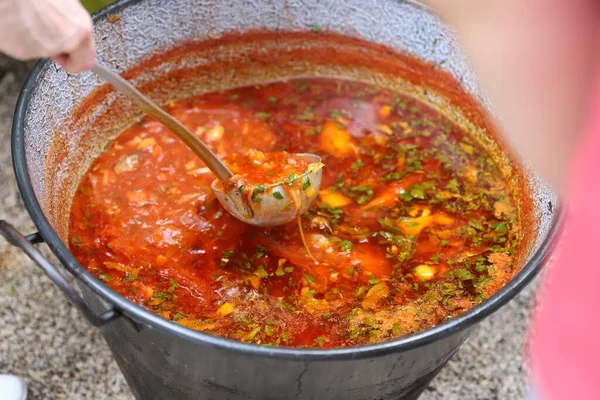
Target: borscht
[(413, 224)]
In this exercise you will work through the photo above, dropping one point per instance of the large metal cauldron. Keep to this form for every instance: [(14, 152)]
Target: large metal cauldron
[(59, 129)]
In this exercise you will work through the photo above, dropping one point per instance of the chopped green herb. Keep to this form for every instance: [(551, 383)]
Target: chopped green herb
[(255, 193), (260, 251), (263, 115), (259, 189), (277, 195), (365, 193), (306, 115), (272, 99), (346, 245), (173, 286), (480, 268), (392, 176), (417, 192), (253, 333), (463, 274), (476, 224), (306, 183), (335, 114), (310, 278), (228, 254), (260, 272), (364, 198), (501, 228), (358, 164), (413, 165), (291, 179), (269, 330), (453, 186)]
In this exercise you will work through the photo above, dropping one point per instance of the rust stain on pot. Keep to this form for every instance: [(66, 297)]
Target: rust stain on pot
[(113, 19)]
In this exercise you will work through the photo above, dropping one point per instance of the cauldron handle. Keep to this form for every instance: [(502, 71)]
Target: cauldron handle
[(26, 244)]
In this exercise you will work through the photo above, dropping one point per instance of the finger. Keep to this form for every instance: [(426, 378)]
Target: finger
[(82, 58), (61, 59)]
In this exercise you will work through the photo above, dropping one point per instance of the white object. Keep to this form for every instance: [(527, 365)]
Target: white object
[(12, 388)]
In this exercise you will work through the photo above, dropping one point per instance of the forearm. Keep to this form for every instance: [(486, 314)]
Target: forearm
[(535, 59)]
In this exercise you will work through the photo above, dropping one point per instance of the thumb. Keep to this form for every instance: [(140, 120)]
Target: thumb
[(81, 58)]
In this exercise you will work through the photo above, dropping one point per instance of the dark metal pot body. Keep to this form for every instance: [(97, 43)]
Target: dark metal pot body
[(160, 359), (158, 365)]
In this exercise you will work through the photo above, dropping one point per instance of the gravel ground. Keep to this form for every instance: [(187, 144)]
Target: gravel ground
[(43, 339)]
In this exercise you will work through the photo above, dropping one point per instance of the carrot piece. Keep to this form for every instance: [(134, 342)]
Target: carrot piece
[(385, 111), (336, 140), (225, 309), (334, 199), (160, 260)]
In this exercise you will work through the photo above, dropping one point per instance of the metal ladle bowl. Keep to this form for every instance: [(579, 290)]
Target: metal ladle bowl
[(271, 210)]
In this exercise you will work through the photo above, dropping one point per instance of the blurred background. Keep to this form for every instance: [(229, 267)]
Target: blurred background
[(95, 5)]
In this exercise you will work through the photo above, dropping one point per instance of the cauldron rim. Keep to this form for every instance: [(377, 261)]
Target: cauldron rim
[(148, 319)]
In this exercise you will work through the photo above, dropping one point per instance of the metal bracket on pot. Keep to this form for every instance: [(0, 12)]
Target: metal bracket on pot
[(26, 244)]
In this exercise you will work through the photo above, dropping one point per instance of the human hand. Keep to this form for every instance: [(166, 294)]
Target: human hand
[(58, 29)]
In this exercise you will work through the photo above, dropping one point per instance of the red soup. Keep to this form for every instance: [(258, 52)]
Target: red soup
[(413, 224)]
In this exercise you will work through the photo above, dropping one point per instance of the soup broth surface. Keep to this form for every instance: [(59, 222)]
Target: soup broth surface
[(413, 224)]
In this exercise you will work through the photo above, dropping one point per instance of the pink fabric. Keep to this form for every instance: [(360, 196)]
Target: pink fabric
[(565, 340)]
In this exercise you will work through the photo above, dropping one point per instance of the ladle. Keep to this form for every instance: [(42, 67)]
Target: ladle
[(270, 211)]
